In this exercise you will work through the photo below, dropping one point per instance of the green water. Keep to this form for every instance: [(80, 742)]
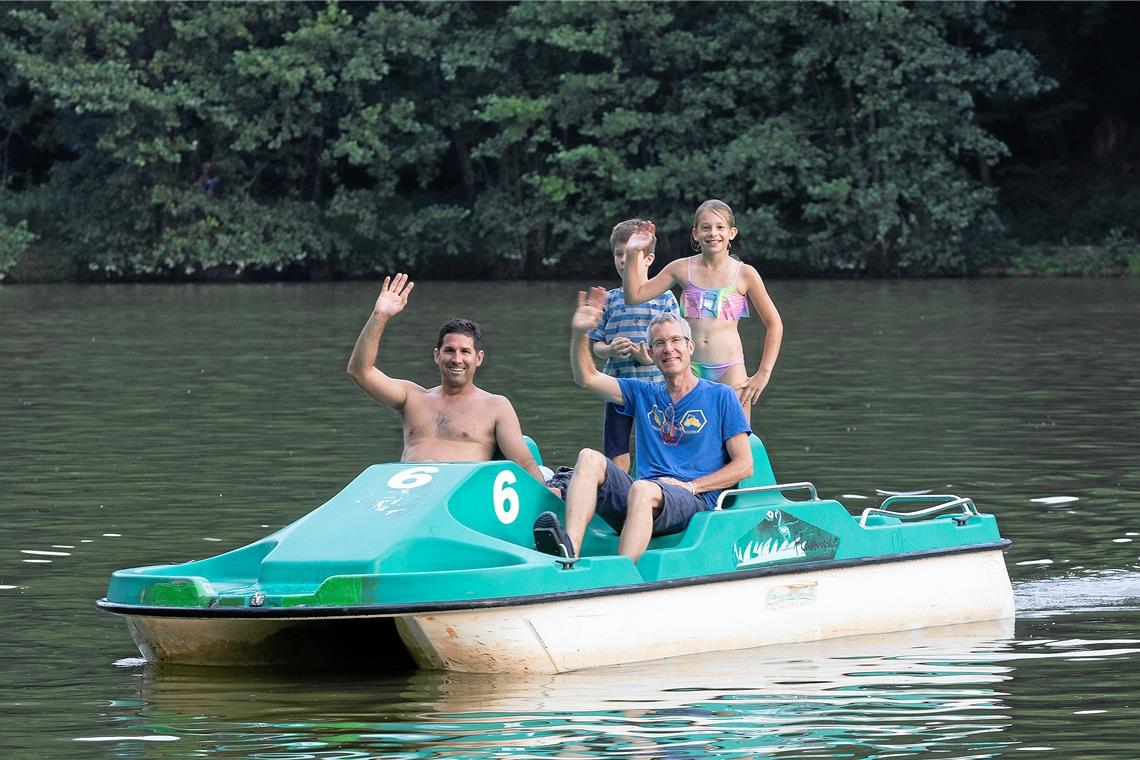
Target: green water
[(143, 425)]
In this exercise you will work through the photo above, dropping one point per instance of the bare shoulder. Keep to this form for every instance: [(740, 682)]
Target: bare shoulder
[(751, 276), (747, 270), (678, 269), (496, 402), (415, 394), (413, 389)]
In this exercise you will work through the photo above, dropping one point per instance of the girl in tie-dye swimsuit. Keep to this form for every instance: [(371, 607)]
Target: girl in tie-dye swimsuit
[(716, 291), (714, 303)]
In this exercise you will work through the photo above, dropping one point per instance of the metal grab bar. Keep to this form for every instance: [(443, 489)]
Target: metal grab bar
[(917, 497), (803, 486), (967, 505)]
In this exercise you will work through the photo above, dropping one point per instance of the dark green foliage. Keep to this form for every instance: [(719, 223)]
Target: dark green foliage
[(471, 139), (1076, 181)]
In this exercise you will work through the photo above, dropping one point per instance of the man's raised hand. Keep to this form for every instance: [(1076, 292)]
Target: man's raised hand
[(589, 312), (393, 296)]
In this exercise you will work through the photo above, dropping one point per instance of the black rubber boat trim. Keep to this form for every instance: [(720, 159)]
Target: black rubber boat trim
[(388, 610)]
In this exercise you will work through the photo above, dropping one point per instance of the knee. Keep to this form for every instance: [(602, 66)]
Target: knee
[(590, 461), (643, 498)]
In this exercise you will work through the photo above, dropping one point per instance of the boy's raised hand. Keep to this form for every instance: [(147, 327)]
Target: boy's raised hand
[(588, 315), (393, 296), (641, 239)]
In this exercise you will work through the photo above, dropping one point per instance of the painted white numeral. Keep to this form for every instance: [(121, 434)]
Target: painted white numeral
[(413, 477), (506, 498)]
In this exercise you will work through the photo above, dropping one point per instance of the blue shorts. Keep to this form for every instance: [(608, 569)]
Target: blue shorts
[(678, 508), (616, 430)]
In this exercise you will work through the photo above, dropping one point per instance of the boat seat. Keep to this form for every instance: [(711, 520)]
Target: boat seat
[(665, 553), (601, 539), (762, 473)]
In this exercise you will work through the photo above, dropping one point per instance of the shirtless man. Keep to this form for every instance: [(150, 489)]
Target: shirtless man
[(455, 421)]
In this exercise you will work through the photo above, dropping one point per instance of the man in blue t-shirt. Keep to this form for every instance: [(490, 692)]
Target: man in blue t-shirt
[(620, 339), (692, 442)]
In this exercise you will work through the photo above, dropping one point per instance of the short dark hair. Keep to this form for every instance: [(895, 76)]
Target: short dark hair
[(463, 327)]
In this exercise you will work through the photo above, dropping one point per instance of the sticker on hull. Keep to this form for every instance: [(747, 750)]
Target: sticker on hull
[(781, 538)]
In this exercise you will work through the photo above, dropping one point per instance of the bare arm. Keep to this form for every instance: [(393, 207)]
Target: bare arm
[(636, 286), (509, 439), (738, 468), (586, 374), (389, 391), (773, 336)]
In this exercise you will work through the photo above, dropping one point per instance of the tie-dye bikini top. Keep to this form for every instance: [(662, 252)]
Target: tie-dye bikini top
[(713, 303)]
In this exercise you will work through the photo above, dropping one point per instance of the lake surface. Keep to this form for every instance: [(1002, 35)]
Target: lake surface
[(151, 424)]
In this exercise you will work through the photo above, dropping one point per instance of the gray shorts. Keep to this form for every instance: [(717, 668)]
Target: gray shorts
[(678, 508)]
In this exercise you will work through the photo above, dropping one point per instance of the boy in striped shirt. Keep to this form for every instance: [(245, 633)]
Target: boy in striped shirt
[(620, 339)]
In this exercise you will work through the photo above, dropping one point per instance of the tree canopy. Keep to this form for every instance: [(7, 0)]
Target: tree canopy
[(506, 139)]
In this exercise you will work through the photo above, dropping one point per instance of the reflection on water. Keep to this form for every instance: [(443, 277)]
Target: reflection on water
[(939, 688), (143, 425)]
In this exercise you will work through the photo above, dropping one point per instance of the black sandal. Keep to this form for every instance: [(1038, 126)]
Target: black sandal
[(551, 538)]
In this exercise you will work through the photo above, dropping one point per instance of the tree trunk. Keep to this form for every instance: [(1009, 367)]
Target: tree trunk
[(534, 254), (466, 168)]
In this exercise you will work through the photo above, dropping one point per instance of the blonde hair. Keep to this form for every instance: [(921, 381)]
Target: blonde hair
[(624, 230), (718, 207)]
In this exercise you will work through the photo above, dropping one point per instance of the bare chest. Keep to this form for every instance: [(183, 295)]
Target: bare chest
[(461, 421)]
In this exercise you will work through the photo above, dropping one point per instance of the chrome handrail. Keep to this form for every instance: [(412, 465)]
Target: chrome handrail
[(967, 505), (802, 486)]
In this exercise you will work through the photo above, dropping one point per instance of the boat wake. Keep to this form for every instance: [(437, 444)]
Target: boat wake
[(1102, 590)]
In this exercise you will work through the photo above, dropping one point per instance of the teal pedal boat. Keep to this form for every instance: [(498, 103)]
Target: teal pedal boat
[(437, 561)]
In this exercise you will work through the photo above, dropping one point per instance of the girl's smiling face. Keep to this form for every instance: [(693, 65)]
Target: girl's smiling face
[(713, 232)]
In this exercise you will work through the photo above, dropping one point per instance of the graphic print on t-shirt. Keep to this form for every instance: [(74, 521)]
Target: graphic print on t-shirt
[(673, 430)]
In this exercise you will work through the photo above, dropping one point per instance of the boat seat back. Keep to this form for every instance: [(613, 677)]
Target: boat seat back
[(762, 474)]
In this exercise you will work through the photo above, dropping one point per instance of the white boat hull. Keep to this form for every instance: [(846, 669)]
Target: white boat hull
[(560, 636), (608, 629)]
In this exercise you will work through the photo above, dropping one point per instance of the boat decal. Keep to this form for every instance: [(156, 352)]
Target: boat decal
[(389, 505), (412, 477), (780, 537), (505, 498), (791, 595)]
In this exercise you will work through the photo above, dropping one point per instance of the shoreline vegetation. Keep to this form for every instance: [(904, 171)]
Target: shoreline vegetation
[(221, 142), (1081, 261)]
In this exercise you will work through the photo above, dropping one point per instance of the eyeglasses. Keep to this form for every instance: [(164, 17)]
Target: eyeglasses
[(675, 342)]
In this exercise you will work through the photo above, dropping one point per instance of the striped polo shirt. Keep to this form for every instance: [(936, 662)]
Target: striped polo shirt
[(620, 320)]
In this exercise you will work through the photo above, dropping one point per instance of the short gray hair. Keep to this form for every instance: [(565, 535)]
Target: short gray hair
[(662, 318)]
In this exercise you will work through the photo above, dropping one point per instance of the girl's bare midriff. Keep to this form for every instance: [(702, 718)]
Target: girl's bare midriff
[(717, 341)]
